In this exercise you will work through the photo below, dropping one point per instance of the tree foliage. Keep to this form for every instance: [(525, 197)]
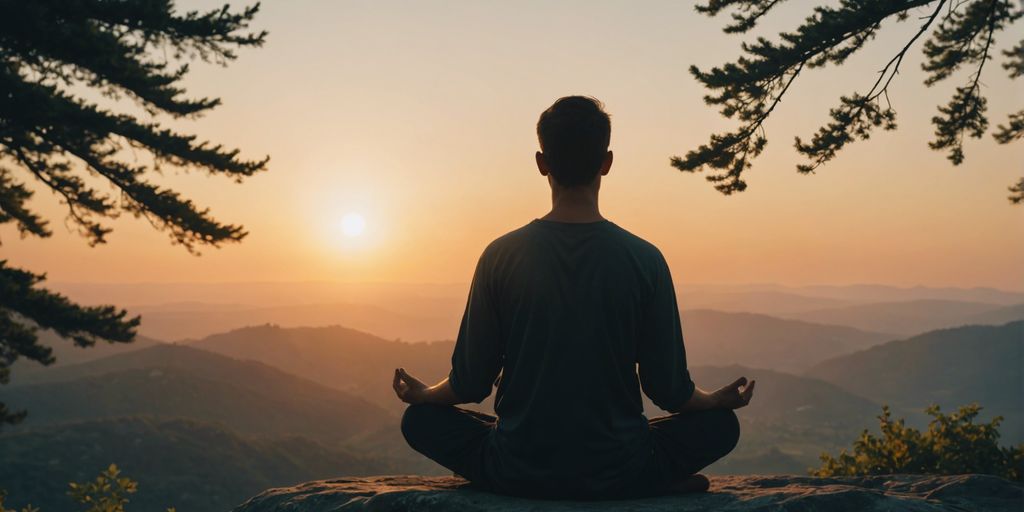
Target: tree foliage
[(954, 444), (108, 492), (20, 299), (56, 58), (960, 36)]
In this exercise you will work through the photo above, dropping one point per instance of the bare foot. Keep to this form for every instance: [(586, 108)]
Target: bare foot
[(692, 483)]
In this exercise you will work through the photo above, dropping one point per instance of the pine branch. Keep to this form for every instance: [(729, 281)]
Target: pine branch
[(1012, 130), (1017, 192), (750, 12), (13, 199), (43, 123), (24, 308), (955, 44), (166, 209), (83, 325), (857, 115), (107, 46), (750, 88), (74, 193), (139, 49), (1015, 60), (733, 151)]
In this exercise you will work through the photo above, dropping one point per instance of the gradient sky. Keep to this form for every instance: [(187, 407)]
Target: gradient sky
[(420, 116)]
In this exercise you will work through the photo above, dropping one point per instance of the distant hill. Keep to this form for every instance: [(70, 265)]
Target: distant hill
[(790, 422), (782, 300), (67, 353), (342, 358), (770, 461), (721, 338), (904, 318), (422, 297), (999, 316), (951, 367), (190, 465), (782, 397), (178, 381), (766, 302), (197, 320), (362, 363), (884, 293), (176, 311)]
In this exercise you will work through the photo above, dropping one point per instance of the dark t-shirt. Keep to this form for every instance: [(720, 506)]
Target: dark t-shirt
[(568, 314)]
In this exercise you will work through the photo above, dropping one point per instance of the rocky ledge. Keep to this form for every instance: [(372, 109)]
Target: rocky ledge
[(728, 493)]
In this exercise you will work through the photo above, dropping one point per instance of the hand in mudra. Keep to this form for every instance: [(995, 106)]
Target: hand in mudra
[(408, 388), (735, 395)]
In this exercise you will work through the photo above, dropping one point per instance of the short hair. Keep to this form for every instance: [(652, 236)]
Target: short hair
[(574, 133)]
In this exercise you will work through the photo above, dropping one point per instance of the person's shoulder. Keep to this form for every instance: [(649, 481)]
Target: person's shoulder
[(647, 254), (637, 243), (510, 239)]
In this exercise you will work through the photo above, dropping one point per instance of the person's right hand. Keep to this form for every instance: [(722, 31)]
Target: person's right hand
[(735, 395)]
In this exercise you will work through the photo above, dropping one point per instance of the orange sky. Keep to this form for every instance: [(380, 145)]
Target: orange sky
[(420, 116)]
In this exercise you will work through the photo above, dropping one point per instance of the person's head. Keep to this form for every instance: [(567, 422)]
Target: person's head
[(574, 134)]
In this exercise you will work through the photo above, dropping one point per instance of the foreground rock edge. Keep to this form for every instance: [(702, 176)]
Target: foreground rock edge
[(728, 493)]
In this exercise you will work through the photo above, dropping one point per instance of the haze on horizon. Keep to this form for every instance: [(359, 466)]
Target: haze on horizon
[(424, 131)]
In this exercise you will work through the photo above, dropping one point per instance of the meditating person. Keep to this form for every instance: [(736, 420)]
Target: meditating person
[(570, 316)]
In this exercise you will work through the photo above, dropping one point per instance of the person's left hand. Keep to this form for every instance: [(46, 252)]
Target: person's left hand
[(408, 388), (735, 395)]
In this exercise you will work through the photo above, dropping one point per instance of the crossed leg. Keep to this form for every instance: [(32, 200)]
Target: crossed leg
[(687, 442), (684, 443), (450, 436)]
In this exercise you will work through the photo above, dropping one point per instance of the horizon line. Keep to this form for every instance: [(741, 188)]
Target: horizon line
[(678, 283)]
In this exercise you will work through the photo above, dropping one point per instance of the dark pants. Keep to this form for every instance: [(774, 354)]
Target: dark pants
[(683, 443)]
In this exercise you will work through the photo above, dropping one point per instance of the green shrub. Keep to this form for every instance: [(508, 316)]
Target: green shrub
[(107, 493), (953, 444)]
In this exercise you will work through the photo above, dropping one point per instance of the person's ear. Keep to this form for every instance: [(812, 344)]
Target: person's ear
[(542, 165), (606, 166)]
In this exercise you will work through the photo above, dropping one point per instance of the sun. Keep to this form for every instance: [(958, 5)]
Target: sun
[(353, 224)]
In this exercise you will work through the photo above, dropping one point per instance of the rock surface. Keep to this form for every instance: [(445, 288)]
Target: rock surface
[(728, 493)]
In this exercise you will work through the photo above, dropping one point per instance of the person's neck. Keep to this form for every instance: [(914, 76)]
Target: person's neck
[(574, 205)]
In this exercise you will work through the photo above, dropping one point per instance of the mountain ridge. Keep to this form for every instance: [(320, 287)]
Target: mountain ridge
[(174, 380), (188, 464)]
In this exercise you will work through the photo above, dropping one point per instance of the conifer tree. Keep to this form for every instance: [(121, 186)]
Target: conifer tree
[(57, 57), (957, 36)]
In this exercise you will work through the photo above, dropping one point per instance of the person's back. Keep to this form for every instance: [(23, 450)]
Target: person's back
[(574, 304), (562, 315)]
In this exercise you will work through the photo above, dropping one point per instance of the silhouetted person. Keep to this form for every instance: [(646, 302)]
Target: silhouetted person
[(568, 310)]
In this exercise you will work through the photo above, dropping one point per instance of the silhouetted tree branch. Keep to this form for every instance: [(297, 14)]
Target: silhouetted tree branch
[(750, 88), (50, 52)]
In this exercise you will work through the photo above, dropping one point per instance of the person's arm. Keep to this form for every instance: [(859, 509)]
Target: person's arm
[(661, 357), (660, 353), (413, 391), (476, 359), (479, 350)]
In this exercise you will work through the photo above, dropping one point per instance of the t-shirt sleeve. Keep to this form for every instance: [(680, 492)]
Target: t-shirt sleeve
[(478, 354), (661, 355)]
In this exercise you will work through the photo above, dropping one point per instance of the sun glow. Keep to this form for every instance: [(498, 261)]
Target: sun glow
[(353, 224)]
